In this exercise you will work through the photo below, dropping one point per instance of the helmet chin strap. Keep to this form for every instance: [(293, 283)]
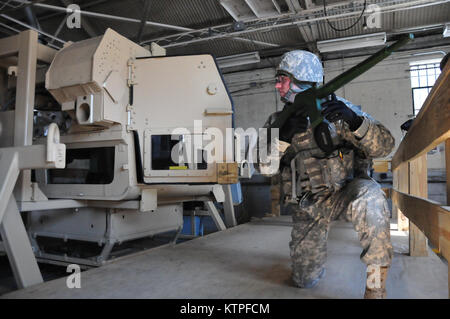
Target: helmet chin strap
[(292, 92)]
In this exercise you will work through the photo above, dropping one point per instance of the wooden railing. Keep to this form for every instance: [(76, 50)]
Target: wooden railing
[(427, 219)]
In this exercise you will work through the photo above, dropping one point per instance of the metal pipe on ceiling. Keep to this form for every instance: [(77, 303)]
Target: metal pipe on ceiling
[(9, 27), (112, 17), (250, 22), (104, 16)]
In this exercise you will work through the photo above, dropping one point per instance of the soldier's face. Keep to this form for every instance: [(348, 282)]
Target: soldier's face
[(283, 84)]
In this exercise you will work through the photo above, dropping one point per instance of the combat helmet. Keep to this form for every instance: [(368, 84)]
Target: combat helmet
[(301, 66)]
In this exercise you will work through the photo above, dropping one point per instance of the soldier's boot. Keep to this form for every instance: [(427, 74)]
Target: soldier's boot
[(373, 290)]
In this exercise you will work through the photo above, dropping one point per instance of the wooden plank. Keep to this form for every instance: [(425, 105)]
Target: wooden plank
[(432, 125), (418, 186), (425, 214), (381, 166)]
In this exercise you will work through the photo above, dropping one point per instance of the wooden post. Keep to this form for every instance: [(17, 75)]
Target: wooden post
[(447, 169), (418, 186), (402, 173)]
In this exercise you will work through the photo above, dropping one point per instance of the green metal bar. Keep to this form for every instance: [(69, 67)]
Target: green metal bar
[(360, 68)]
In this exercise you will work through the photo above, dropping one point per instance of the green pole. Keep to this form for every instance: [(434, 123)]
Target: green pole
[(360, 68)]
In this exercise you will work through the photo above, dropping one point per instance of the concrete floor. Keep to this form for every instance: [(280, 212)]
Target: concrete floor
[(248, 261)]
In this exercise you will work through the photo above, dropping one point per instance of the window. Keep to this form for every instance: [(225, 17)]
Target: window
[(423, 77), (162, 148), (85, 166)]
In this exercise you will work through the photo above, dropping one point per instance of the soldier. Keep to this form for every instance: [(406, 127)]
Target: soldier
[(320, 186)]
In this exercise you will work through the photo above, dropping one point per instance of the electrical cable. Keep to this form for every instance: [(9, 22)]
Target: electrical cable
[(345, 29)]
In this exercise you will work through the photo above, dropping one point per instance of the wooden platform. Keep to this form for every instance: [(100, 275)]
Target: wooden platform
[(248, 261)]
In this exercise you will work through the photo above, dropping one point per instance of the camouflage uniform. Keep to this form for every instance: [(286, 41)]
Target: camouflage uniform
[(328, 187)]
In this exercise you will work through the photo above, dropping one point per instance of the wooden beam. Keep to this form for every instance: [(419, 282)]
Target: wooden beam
[(418, 186), (432, 125), (431, 218)]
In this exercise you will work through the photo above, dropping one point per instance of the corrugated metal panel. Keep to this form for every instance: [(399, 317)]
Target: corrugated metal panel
[(390, 21), (203, 13), (192, 14), (224, 47)]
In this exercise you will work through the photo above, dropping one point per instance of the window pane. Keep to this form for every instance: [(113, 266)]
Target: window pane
[(419, 96), (423, 77), (414, 82), (431, 80), (422, 81)]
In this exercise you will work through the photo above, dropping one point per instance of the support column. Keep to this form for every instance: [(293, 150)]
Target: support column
[(23, 123), (401, 183), (418, 186), (228, 207), (447, 169)]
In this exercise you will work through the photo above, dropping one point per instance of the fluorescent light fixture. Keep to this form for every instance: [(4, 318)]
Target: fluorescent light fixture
[(446, 33), (238, 59), (356, 42)]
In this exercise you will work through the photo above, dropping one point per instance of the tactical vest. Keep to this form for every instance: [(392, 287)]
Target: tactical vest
[(314, 171)]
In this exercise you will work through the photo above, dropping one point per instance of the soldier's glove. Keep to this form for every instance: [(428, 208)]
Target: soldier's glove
[(335, 110)]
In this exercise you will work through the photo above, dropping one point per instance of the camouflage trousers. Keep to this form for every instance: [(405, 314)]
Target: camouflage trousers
[(363, 203)]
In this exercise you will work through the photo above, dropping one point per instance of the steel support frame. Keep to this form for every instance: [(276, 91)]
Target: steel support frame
[(215, 215), (341, 10), (21, 158), (15, 239), (125, 19), (25, 90), (228, 207)]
